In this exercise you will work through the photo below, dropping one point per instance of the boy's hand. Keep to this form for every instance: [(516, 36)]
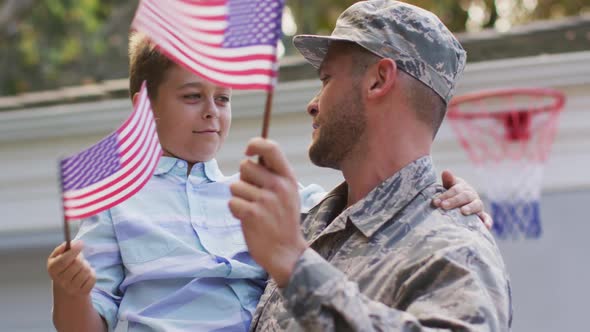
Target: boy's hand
[(70, 271), (461, 194)]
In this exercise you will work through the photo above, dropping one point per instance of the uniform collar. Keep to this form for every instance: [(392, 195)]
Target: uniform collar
[(391, 196), (170, 164)]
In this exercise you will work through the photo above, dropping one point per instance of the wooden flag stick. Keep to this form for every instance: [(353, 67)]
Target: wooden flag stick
[(63, 208), (266, 120), (267, 111), (67, 233)]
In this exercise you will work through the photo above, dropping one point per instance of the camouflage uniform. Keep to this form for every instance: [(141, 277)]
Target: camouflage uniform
[(392, 262)]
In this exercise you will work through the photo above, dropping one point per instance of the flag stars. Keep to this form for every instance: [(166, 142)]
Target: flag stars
[(252, 23)]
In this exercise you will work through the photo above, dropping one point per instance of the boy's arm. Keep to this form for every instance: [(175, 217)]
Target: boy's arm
[(459, 194), (73, 279), (101, 292)]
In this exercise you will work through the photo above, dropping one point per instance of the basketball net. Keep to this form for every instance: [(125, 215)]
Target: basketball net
[(508, 135)]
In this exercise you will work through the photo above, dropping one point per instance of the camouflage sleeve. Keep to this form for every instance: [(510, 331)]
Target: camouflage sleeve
[(438, 296)]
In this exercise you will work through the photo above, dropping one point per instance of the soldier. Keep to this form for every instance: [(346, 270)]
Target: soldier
[(172, 258), (374, 254)]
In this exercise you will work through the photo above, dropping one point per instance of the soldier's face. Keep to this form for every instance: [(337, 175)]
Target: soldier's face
[(338, 110), (193, 115)]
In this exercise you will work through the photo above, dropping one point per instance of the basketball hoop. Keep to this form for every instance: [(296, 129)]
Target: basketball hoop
[(508, 136)]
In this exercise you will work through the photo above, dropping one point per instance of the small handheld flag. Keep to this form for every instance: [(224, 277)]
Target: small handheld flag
[(112, 170), (228, 42)]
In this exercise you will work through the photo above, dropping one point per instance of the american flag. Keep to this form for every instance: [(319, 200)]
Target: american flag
[(228, 42), (115, 168)]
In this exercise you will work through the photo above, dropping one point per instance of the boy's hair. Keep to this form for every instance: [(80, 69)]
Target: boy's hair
[(146, 63)]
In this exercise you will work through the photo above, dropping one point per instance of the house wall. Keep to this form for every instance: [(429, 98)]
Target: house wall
[(549, 275)]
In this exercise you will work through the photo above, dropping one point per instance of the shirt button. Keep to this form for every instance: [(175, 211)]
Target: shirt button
[(180, 164)]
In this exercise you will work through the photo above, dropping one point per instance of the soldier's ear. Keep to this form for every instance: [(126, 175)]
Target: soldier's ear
[(382, 79)]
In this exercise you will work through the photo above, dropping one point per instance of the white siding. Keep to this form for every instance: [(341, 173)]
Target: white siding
[(549, 275)]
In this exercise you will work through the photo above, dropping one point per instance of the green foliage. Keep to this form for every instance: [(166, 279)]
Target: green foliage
[(319, 16), (63, 42), (70, 42)]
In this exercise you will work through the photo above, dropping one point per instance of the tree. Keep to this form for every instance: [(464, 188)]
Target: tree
[(320, 15), (52, 43), (10, 10), (62, 42)]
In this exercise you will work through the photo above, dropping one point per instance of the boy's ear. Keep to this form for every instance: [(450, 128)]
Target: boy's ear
[(135, 98)]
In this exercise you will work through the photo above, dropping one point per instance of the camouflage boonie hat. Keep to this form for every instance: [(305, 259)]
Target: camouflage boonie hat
[(416, 39)]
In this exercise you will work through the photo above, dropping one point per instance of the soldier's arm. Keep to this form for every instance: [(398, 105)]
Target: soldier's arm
[(447, 291)]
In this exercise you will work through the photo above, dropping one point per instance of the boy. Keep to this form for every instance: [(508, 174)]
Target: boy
[(171, 258)]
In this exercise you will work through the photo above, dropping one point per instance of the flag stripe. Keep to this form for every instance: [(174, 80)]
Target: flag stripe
[(248, 57), (73, 178), (242, 85), (231, 69), (130, 191), (215, 24), (112, 184), (208, 7), (180, 25), (216, 76), (132, 143), (165, 18), (129, 163), (230, 43), (204, 4), (127, 130), (112, 192), (251, 56), (138, 150)]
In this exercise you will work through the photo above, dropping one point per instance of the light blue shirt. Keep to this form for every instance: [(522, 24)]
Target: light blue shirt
[(172, 257)]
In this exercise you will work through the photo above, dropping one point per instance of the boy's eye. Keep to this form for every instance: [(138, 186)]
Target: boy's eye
[(192, 96), (223, 99)]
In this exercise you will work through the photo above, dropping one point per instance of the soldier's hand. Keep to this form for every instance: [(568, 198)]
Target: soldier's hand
[(70, 271), (266, 200), (461, 194)]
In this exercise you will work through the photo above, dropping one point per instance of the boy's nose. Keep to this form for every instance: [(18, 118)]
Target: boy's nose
[(211, 111)]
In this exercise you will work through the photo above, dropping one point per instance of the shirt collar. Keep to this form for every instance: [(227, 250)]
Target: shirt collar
[(391, 196), (211, 169)]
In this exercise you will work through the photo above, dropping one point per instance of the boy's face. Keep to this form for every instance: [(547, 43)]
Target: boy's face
[(193, 115)]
